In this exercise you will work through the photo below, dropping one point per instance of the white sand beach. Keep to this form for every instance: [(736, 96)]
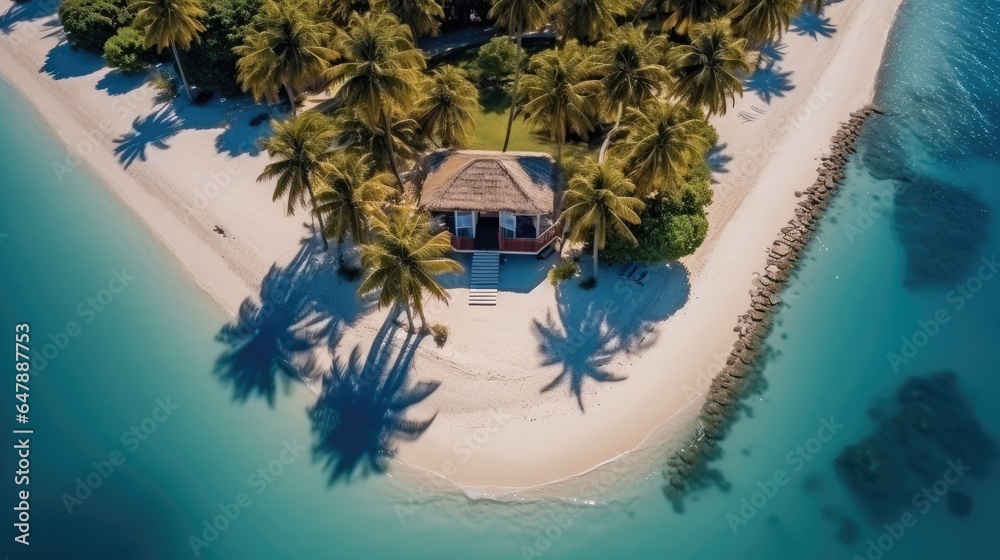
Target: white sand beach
[(623, 361)]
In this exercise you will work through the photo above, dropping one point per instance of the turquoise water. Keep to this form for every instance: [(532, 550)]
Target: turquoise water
[(885, 262)]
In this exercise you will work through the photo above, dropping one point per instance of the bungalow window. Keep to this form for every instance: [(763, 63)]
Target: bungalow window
[(463, 224), (508, 225)]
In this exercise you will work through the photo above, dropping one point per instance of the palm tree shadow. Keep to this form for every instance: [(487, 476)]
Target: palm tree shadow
[(272, 332), (773, 51), (361, 411), (591, 328), (769, 82), (152, 130), (718, 160), (26, 11), (811, 24)]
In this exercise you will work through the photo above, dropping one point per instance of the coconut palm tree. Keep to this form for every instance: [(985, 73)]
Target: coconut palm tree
[(685, 14), (357, 135), (288, 49), (339, 11), (301, 147), (560, 95), (598, 199), (663, 140), (351, 192), (447, 108), (380, 75), (170, 23), (404, 259), (423, 16), (760, 21), (517, 17), (707, 71), (587, 21), (628, 63)]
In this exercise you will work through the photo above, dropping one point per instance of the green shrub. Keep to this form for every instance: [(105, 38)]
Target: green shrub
[(212, 64), (672, 226), (90, 23), (167, 86), (127, 51), (496, 61), (563, 270), (440, 333)]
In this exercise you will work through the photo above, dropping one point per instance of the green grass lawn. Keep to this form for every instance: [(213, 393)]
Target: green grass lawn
[(492, 126)]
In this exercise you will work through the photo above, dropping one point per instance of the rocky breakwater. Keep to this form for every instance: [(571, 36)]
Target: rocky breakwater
[(687, 469)]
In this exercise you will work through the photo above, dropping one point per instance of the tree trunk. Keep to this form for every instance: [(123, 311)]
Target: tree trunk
[(513, 95), (607, 139), (409, 316), (317, 215), (291, 96), (595, 252), (387, 124), (180, 70), (423, 320)]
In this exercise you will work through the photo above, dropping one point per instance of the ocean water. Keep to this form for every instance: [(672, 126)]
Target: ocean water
[(138, 443)]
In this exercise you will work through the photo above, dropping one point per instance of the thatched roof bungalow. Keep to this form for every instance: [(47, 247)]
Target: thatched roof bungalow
[(500, 201)]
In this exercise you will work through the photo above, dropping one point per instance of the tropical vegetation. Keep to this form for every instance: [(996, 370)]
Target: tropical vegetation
[(404, 260), (127, 51), (621, 103), (170, 24), (89, 24), (288, 50), (598, 201)]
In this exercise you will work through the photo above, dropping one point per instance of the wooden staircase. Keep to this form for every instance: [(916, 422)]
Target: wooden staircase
[(485, 277)]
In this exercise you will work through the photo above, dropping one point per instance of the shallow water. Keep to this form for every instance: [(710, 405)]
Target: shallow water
[(885, 263)]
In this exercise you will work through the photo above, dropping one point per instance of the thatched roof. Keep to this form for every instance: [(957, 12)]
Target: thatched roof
[(484, 181)]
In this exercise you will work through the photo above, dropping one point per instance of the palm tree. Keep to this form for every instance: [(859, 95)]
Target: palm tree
[(288, 49), (169, 23), (600, 198), (381, 73), (663, 141), (423, 16), (760, 21), (707, 71), (517, 17), (351, 192), (448, 106), (559, 94), (685, 14), (354, 132), (302, 145), (339, 11), (587, 21), (629, 69), (404, 259)]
